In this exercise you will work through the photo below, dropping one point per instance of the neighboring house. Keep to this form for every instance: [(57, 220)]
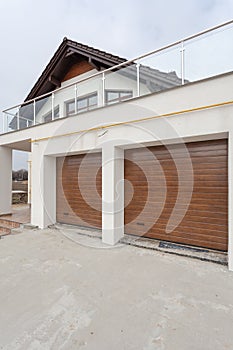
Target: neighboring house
[(94, 119)]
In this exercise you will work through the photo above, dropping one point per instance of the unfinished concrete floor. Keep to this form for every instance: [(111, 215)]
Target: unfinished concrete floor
[(56, 294)]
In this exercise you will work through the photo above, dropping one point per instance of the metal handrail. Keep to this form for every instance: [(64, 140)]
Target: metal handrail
[(20, 117), (126, 63)]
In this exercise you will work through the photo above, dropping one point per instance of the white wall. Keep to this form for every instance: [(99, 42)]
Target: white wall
[(114, 81), (5, 180)]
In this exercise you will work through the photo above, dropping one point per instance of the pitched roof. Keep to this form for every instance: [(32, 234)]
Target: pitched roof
[(67, 53), (70, 52)]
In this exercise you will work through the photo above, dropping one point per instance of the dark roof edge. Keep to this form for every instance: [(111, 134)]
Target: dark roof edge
[(66, 44), (46, 71)]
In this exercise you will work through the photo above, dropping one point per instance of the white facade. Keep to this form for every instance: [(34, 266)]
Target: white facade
[(192, 112)]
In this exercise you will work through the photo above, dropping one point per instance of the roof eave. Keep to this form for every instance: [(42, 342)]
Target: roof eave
[(102, 57)]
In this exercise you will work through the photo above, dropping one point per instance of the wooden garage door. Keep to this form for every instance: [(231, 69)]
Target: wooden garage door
[(205, 221), (79, 190)]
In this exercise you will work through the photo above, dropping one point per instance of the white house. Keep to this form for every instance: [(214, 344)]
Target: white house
[(127, 147)]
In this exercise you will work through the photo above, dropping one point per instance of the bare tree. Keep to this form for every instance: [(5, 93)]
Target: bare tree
[(20, 175)]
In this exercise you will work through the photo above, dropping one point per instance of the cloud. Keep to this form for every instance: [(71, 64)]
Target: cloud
[(20, 160)]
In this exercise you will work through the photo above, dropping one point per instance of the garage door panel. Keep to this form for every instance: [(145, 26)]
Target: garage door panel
[(220, 217), (186, 184), (200, 226), (207, 190), (179, 237), (180, 157), (211, 177), (187, 235), (205, 221), (217, 225), (222, 202), (167, 211), (201, 239), (216, 200), (200, 207), (191, 241), (75, 205), (193, 147), (199, 167), (184, 235)]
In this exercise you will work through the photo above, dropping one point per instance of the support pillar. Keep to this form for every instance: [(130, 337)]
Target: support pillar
[(29, 178), (5, 180), (112, 194), (230, 201), (43, 208)]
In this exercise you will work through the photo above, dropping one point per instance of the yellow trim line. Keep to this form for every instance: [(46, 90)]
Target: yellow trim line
[(136, 121)]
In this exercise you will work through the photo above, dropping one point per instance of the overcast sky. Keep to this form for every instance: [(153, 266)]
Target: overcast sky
[(30, 32)]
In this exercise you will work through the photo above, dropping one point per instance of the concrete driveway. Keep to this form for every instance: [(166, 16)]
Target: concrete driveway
[(56, 294)]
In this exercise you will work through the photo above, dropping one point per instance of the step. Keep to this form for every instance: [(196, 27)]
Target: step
[(6, 226), (4, 231), (9, 223)]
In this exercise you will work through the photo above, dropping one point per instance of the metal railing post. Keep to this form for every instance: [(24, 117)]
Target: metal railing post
[(34, 112), (52, 106), (182, 50), (75, 98), (103, 89), (138, 79), (17, 115), (3, 123)]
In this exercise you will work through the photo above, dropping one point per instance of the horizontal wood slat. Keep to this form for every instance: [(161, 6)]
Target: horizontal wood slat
[(205, 222), (77, 69)]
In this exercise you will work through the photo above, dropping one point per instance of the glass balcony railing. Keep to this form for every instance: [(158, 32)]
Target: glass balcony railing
[(200, 56)]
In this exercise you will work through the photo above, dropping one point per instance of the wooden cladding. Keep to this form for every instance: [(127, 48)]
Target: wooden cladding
[(77, 69), (205, 223), (186, 188), (79, 190)]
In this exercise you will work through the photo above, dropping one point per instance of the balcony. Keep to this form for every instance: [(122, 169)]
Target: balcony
[(200, 56)]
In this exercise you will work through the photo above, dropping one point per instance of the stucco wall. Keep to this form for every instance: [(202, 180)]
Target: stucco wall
[(113, 81)]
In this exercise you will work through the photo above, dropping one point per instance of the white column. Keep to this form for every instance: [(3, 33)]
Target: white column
[(112, 194), (29, 177), (5, 180), (43, 207), (230, 202)]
